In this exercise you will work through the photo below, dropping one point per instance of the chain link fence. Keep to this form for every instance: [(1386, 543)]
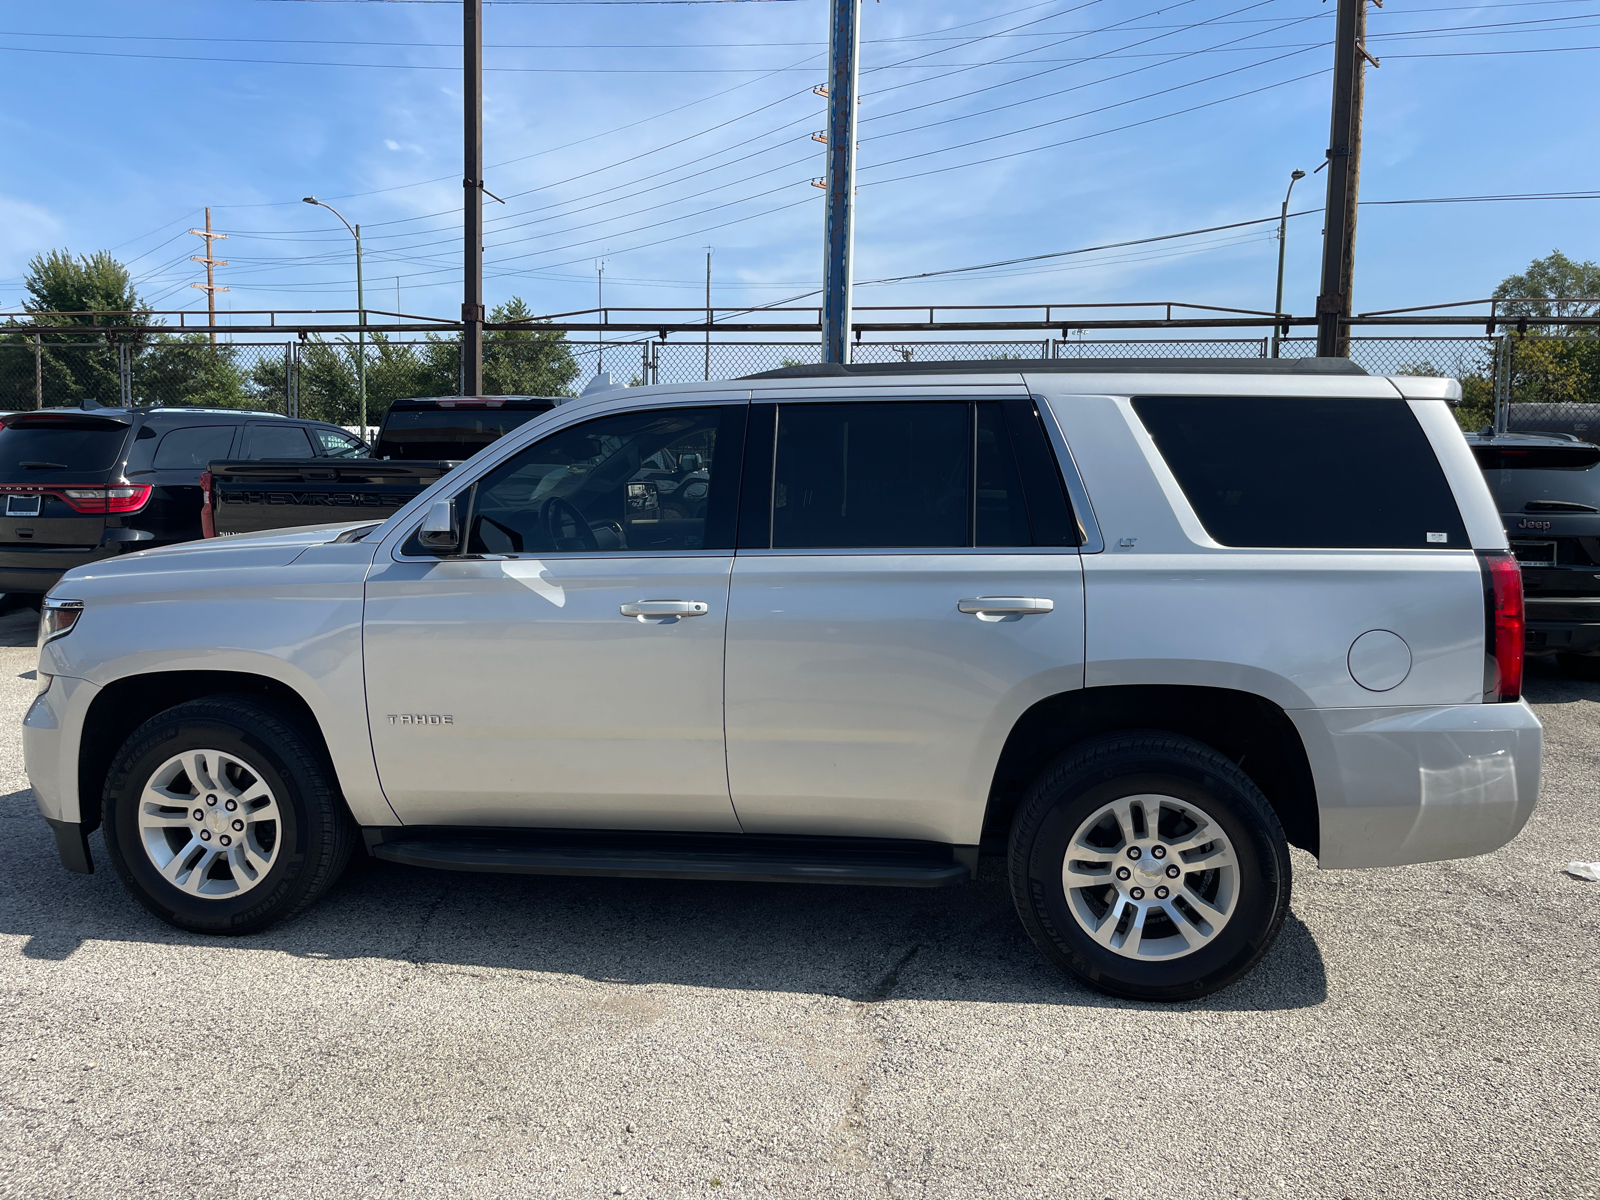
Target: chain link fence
[(1512, 380)]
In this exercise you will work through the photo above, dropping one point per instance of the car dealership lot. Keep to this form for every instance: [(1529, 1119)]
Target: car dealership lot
[(1417, 1031)]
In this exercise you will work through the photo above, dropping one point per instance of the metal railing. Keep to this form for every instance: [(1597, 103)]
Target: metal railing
[(1529, 367)]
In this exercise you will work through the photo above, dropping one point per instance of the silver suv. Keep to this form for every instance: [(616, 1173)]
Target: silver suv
[(1135, 632)]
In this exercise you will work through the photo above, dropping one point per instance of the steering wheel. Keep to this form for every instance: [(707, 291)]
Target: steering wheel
[(564, 523)]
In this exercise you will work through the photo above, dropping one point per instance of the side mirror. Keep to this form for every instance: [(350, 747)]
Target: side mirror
[(438, 532)]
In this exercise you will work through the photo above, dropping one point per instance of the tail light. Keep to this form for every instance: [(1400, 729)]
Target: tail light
[(128, 498), (208, 515), (1505, 625)]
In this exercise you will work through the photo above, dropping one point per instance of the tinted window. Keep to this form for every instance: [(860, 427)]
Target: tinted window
[(1264, 471), (338, 444), (872, 475), (631, 482), (1002, 513), (40, 444), (446, 432), (194, 447), (279, 441)]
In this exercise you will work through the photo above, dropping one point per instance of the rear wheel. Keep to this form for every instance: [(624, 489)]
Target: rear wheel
[(1150, 867), (221, 816)]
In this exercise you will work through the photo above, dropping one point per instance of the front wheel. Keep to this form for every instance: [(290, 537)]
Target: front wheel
[(221, 816), (1150, 867)]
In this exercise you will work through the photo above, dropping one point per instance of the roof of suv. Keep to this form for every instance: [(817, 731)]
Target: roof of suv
[(1077, 366), (429, 402)]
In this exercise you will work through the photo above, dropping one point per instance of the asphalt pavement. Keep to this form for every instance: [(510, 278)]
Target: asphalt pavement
[(1427, 1031)]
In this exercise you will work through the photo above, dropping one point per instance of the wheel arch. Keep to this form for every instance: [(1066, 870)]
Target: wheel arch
[(123, 705), (1250, 730)]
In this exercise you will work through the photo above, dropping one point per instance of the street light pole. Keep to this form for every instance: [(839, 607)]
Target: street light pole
[(361, 307), (1283, 232)]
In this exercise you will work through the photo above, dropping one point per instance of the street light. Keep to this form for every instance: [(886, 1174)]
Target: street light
[(1283, 232), (361, 306)]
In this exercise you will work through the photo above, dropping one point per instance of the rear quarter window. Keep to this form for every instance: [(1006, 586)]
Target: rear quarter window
[(193, 447), (1306, 473)]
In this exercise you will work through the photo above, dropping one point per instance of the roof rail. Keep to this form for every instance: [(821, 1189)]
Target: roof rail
[(1077, 366)]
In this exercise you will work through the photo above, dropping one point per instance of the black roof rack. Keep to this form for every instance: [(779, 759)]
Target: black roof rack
[(1077, 366)]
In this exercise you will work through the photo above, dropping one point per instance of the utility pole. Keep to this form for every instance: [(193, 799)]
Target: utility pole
[(708, 314), (1295, 177), (472, 183), (1344, 177), (844, 42), (209, 287)]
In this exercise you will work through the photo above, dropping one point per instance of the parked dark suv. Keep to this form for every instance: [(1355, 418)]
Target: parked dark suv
[(1547, 488), (82, 484)]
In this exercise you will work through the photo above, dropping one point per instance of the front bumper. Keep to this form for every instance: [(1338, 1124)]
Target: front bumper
[(51, 732), (1409, 785)]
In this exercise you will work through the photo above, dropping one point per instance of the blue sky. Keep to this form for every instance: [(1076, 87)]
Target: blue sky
[(640, 133)]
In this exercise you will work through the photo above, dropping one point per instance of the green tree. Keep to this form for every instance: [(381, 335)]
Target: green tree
[(90, 291), (1550, 286), (1555, 363), (525, 362), (60, 289)]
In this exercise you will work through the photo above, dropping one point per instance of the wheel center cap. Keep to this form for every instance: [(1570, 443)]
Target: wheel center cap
[(1149, 869)]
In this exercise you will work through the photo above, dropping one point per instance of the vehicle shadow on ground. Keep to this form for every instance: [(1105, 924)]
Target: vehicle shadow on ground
[(865, 944), (19, 623), (1544, 682)]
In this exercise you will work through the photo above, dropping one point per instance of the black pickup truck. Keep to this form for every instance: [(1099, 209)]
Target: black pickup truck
[(419, 440)]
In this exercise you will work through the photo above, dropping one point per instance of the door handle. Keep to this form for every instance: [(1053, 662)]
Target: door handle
[(647, 610), (1006, 605)]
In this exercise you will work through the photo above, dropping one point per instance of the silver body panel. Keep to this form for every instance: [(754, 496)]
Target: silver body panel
[(829, 692)]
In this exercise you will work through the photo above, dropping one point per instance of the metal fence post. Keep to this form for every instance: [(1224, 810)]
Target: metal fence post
[(644, 361), (38, 372), (125, 373), (291, 380), (1504, 359)]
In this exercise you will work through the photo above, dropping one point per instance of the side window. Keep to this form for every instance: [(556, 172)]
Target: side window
[(1306, 472), (336, 443), (1002, 512), (277, 441), (853, 476), (192, 448), (632, 482)]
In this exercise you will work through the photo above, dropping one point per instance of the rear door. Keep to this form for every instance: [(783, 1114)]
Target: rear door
[(182, 449), (907, 585)]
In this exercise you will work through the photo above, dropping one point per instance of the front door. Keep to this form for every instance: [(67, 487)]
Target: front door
[(565, 669), (914, 588)]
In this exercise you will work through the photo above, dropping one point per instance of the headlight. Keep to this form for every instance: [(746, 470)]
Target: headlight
[(57, 617)]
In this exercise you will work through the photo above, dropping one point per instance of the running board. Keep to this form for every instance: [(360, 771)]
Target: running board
[(600, 853)]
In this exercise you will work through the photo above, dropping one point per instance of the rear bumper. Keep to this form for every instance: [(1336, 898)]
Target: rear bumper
[(1409, 785), (1563, 625), (35, 571)]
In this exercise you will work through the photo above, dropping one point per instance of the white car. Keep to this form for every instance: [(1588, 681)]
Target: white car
[(1137, 630)]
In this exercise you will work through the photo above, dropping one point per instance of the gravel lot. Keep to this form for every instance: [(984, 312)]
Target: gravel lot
[(1425, 1031)]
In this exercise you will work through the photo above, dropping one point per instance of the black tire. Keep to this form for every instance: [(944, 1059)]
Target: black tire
[(1579, 666), (312, 839), (1085, 779)]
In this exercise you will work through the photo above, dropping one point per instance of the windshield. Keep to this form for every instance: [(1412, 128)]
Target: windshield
[(445, 433), (34, 447)]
